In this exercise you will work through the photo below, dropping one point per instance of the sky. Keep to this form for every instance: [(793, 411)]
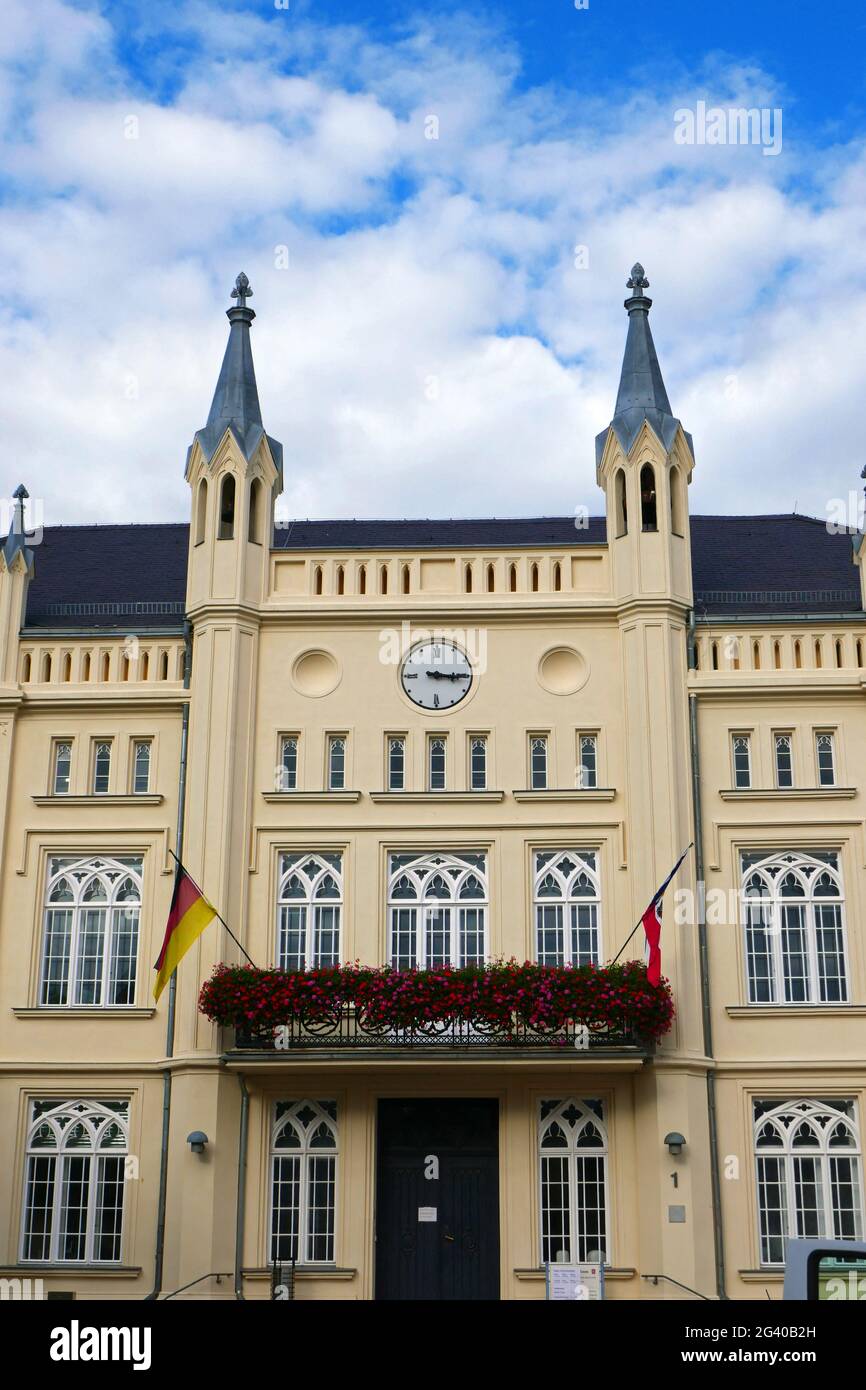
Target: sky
[(438, 208)]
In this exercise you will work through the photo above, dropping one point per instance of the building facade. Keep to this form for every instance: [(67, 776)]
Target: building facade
[(421, 743)]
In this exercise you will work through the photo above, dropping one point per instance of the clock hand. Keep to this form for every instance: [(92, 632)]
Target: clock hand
[(447, 675)]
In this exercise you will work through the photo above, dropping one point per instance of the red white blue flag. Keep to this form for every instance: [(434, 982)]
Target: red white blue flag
[(652, 925)]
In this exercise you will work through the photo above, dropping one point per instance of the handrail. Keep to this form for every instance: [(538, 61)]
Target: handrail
[(221, 1274), (656, 1277)]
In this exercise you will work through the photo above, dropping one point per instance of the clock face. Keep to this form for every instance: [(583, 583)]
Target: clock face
[(436, 675)]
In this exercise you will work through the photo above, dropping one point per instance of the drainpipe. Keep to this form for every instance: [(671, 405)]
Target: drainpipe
[(172, 987), (703, 953), (242, 1187)]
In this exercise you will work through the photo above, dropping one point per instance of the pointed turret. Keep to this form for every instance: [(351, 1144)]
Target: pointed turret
[(641, 395), (235, 404), (16, 541)]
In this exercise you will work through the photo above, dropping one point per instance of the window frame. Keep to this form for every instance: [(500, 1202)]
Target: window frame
[(287, 784), (830, 736), (98, 1116), (543, 740), (336, 777), (306, 1155), (434, 741), (767, 936), (484, 741), (545, 861), (56, 745), (98, 745), (138, 743), (741, 736), (576, 1177), (392, 741), (424, 867), (587, 736), (83, 869), (289, 862), (781, 736), (804, 1111)]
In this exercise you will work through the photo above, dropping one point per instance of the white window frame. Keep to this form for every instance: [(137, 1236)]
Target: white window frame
[(483, 742), (413, 907), (313, 870), (290, 751), (434, 742), (824, 738), (393, 782), (100, 744), (137, 745), (767, 935), (572, 1116), (568, 869), (587, 774), (539, 779), (819, 1120), (338, 750), (58, 1121), (59, 745), (81, 875), (783, 743), (741, 742), (291, 1115)]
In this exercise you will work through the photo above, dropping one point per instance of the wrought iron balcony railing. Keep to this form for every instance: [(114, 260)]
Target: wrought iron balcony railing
[(351, 1031)]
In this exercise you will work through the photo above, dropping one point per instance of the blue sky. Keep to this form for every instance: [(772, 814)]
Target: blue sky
[(438, 210)]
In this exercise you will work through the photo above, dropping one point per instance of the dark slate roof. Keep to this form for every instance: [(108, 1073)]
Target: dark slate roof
[(127, 577), (134, 577)]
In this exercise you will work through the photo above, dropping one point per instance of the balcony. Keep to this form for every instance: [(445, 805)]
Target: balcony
[(503, 1010)]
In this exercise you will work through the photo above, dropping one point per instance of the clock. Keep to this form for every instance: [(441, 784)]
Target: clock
[(436, 675)]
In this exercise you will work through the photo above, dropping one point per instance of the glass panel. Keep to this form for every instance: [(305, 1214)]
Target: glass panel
[(141, 768), (555, 1210), (326, 943), (588, 770), (584, 934), (124, 954), (471, 936), (55, 956), (396, 764), (403, 938), (285, 1212), (289, 765), (320, 1213), (102, 768), (550, 942), (478, 764), (337, 764), (108, 1207), (74, 1195), (91, 947), (538, 763), (437, 935), (772, 1207), (39, 1205), (291, 942)]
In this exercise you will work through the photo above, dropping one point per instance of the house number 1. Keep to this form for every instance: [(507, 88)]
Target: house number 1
[(431, 1167)]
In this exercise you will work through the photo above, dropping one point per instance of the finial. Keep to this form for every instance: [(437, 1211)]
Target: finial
[(242, 291), (637, 281)]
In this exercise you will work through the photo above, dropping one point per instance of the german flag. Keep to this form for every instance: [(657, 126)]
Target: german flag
[(190, 914)]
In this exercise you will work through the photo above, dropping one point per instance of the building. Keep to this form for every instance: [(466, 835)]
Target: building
[(604, 694)]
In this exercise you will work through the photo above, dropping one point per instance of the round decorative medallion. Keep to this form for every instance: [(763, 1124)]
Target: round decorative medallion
[(315, 673), (562, 671)]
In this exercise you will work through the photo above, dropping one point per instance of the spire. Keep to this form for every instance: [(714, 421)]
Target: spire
[(235, 404), (641, 395), (17, 538)]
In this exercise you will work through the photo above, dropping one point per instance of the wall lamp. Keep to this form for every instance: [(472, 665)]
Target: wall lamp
[(675, 1143), (198, 1139)]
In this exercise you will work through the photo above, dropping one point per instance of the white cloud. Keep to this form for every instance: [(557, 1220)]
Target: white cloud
[(432, 348)]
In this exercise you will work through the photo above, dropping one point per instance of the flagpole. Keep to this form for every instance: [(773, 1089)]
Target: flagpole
[(216, 914), (639, 921)]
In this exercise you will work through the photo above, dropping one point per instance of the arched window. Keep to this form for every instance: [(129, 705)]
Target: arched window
[(145, 664), (491, 579), (26, 667), (512, 578), (90, 943), (201, 512), (106, 665), (620, 503), (310, 900), (777, 655), (467, 579), (573, 1148), (859, 651), (437, 910), (46, 666), (677, 508), (839, 658), (383, 579), (714, 649), (76, 1160), (317, 579), (567, 898), (255, 518), (67, 667), (648, 508), (819, 653), (405, 579), (798, 654), (809, 1173), (756, 656), (303, 1181), (557, 577), (533, 577), (362, 580), (124, 667), (793, 912), (341, 580), (227, 508)]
